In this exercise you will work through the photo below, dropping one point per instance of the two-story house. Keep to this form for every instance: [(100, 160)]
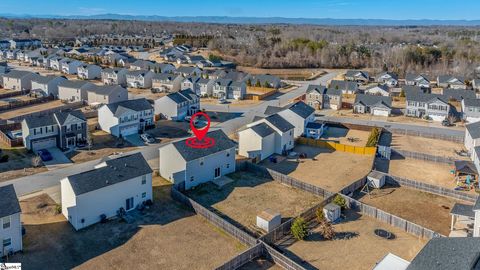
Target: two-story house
[(139, 78), (432, 106), (226, 88), (70, 66), (471, 110), (205, 86), (166, 82), (176, 106), (48, 84), (417, 80), (74, 90), (375, 105), (114, 76), (106, 94), (347, 87), (284, 132), (387, 78), (358, 76), (189, 71), (126, 117), (449, 81), (191, 82), (61, 129), (10, 222), (319, 97), (89, 72), (18, 80)]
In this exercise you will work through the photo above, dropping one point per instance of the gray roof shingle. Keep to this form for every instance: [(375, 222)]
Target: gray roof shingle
[(134, 104), (302, 109), (222, 143), (73, 84), (8, 201), (474, 130), (370, 100), (279, 122), (262, 129)]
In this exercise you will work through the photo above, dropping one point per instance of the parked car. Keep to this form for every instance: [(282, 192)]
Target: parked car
[(147, 138), (446, 123), (222, 101), (45, 155)]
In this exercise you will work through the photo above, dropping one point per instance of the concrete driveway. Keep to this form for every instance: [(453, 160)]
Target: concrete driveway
[(59, 159), (135, 140)]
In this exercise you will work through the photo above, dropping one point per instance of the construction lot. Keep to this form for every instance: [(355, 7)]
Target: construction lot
[(346, 136), (175, 237), (328, 169), (355, 245), (19, 164), (423, 171), (425, 209), (427, 146), (248, 195)]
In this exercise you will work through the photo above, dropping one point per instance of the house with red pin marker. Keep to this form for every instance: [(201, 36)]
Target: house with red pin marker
[(188, 167)]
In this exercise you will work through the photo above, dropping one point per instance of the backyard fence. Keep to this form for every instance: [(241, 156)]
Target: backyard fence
[(425, 157), (452, 138), (282, 260), (213, 218), (395, 180), (392, 220), (64, 107), (244, 257), (5, 139), (370, 151), (24, 103), (13, 94), (354, 186)]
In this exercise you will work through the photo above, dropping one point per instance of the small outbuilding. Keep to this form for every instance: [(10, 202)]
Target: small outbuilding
[(376, 179), (332, 212), (268, 220)]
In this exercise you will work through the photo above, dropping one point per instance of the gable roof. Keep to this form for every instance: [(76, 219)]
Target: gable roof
[(458, 94), (320, 89), (104, 89), (73, 84), (279, 122), (8, 201), (471, 102), (422, 97), (17, 74), (273, 110), (474, 130), (416, 77), (344, 85), (116, 171), (137, 72), (450, 253), (222, 143), (371, 100), (46, 79), (262, 129), (118, 108), (62, 116), (357, 73), (450, 79), (177, 97), (383, 87), (302, 109)]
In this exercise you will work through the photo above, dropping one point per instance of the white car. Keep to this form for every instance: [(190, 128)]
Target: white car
[(147, 138)]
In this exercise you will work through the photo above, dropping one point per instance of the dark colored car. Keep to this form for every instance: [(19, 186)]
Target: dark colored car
[(45, 155)]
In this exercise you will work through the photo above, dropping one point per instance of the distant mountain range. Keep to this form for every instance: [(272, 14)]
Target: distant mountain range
[(258, 20)]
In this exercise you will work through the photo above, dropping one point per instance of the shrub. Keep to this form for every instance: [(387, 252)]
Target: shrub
[(320, 216), (299, 229), (58, 208), (373, 138), (326, 230), (340, 201)]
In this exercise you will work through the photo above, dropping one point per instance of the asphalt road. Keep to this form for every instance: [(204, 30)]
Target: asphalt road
[(40, 181)]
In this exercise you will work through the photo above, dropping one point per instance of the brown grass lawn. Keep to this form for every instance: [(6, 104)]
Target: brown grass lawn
[(18, 165), (167, 236), (361, 251), (425, 209), (31, 109), (330, 170), (249, 195), (427, 146)]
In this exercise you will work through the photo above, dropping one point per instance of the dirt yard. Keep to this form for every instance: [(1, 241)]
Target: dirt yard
[(167, 236), (232, 103), (104, 145), (243, 199), (31, 109), (427, 146), (330, 170), (356, 246), (260, 264), (425, 209), (145, 93), (423, 171), (19, 164), (346, 136)]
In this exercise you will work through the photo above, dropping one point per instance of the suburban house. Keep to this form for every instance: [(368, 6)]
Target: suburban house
[(226, 88), (257, 142), (194, 59), (319, 97), (458, 94), (414, 89), (114, 76), (54, 62), (314, 130), (48, 84), (191, 82), (89, 72), (299, 115), (205, 86), (284, 138), (186, 167), (139, 78), (448, 81), (18, 80), (471, 109), (126, 117), (472, 139), (417, 80), (347, 87), (264, 80), (70, 66), (176, 106), (106, 94), (61, 129), (11, 225), (120, 184), (387, 78), (476, 84), (423, 105), (166, 82), (74, 91), (375, 105), (188, 71), (378, 90), (17, 43), (358, 76)]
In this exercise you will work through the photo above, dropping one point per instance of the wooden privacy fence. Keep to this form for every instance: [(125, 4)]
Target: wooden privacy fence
[(213, 218), (23, 103), (5, 139), (456, 194), (392, 220), (282, 260), (13, 94), (248, 255), (354, 186), (65, 107), (370, 151), (425, 157), (452, 138)]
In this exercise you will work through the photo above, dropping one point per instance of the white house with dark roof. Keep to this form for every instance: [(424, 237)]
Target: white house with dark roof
[(18, 80), (471, 110), (299, 115), (166, 82), (188, 71), (205, 86), (284, 137), (176, 106), (417, 80), (472, 138), (48, 84), (387, 78), (106, 94), (257, 142), (378, 90), (126, 117), (70, 66), (375, 105), (358, 76), (74, 90), (114, 76), (421, 105), (99, 194), (188, 167), (139, 78), (226, 88), (191, 82), (89, 72), (449, 81), (10, 221)]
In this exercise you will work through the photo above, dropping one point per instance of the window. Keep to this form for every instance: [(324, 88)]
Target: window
[(6, 222), (228, 165), (129, 203), (192, 178), (7, 242), (144, 179), (144, 194)]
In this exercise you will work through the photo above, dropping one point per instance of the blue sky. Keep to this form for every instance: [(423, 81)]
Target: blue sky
[(364, 9)]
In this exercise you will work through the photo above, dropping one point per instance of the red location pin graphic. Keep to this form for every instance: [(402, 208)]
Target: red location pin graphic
[(199, 133)]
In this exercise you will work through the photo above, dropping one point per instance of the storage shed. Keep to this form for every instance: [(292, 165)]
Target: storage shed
[(376, 179), (268, 220), (332, 211)]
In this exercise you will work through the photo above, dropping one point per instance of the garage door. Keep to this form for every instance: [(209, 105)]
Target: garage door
[(43, 144), (380, 112), (125, 131)]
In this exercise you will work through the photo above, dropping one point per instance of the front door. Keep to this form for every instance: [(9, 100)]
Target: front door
[(70, 141), (217, 172), (129, 203)]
